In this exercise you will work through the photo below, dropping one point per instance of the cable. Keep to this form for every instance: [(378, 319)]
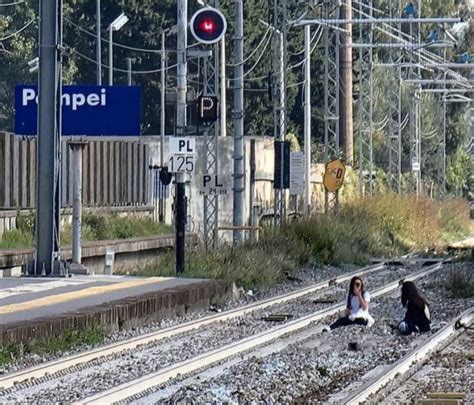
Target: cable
[(311, 41), (302, 62), (73, 50), (404, 123), (253, 52), (429, 135), (424, 53), (17, 32), (295, 84), (132, 48), (255, 64), (11, 4)]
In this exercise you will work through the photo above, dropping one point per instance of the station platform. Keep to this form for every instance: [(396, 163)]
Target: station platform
[(35, 308)]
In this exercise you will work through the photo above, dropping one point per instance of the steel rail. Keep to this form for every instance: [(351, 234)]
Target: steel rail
[(136, 387), (418, 354), (58, 365)]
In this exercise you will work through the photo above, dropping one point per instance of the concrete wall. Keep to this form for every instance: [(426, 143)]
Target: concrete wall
[(264, 193), (129, 254)]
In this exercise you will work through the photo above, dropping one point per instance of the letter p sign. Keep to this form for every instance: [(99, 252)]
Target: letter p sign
[(207, 109)]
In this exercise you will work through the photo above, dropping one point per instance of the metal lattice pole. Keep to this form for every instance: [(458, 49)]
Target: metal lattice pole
[(331, 98), (395, 119), (414, 109), (365, 130), (211, 150), (442, 132), (278, 96)]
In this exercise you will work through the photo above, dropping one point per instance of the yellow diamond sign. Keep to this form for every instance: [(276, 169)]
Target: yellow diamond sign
[(334, 175)]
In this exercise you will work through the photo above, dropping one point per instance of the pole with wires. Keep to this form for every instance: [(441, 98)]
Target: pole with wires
[(98, 44), (180, 221), (307, 118), (238, 115), (345, 84), (47, 136)]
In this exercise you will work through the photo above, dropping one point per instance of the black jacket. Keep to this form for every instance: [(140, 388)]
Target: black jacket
[(418, 315)]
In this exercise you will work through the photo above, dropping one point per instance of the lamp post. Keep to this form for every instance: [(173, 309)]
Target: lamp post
[(116, 24)]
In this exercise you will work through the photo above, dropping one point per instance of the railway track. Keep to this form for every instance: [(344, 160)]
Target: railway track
[(401, 369), (57, 367), (135, 389)]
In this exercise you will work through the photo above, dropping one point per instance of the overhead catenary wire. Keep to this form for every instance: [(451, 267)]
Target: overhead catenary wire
[(302, 62), (256, 62), (73, 50), (119, 45), (17, 32), (12, 4), (311, 41), (426, 54), (253, 52)]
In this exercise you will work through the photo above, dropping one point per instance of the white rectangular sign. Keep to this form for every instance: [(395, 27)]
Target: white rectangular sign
[(181, 164), (297, 173), (182, 152), (182, 145), (212, 184)]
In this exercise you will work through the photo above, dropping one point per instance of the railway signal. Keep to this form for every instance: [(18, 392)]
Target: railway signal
[(208, 25)]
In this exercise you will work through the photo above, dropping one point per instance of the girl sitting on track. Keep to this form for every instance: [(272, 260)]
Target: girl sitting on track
[(417, 317), (357, 310)]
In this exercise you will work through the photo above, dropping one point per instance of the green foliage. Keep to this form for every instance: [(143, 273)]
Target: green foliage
[(94, 227), (16, 238), (381, 226), (148, 18), (71, 338), (378, 226), (459, 173), (250, 265)]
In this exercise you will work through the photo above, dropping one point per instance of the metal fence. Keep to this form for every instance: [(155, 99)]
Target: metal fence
[(115, 173)]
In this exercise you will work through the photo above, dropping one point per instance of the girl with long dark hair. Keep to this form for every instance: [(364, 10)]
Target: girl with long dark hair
[(417, 317), (357, 309)]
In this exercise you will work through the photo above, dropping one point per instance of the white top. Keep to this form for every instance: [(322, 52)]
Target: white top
[(356, 310)]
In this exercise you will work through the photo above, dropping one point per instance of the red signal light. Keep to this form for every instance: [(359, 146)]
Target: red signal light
[(208, 25)]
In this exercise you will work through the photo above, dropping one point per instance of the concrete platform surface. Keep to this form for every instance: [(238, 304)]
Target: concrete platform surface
[(23, 299)]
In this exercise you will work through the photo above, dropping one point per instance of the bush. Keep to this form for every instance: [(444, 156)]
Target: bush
[(16, 238), (94, 227), (381, 226), (250, 264)]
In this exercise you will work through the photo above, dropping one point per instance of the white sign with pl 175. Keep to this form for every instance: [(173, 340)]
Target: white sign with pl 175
[(182, 153)]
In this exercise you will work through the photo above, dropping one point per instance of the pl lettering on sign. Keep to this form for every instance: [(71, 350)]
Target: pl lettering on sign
[(182, 154), (212, 184)]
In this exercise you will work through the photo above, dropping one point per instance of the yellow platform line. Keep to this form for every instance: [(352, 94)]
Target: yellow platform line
[(84, 293)]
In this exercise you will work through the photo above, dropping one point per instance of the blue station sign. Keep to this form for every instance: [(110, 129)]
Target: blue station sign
[(86, 110)]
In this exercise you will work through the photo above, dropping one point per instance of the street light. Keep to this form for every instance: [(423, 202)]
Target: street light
[(34, 65), (116, 24)]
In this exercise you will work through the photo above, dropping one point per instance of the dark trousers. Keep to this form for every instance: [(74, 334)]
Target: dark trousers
[(346, 321), (407, 327)]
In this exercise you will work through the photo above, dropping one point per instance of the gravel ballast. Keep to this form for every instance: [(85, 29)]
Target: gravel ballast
[(114, 370), (319, 368)]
